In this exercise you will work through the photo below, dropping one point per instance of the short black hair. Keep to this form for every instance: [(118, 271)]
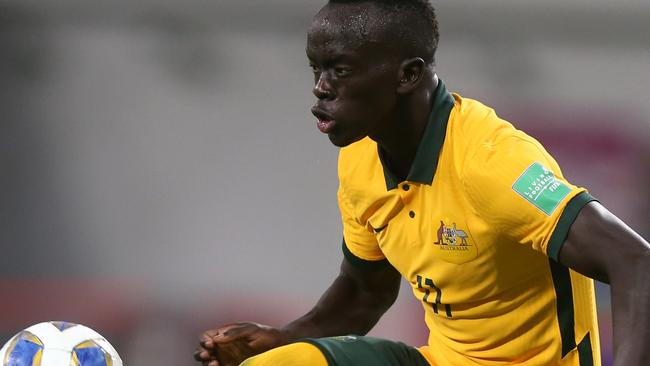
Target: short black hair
[(413, 22)]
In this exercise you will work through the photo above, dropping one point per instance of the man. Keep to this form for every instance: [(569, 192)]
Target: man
[(475, 214)]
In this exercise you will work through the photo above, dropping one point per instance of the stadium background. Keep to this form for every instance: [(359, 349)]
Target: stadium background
[(160, 172)]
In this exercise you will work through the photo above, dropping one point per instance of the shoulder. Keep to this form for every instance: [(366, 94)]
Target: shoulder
[(473, 128), (475, 122), (489, 139), (493, 150), (508, 165)]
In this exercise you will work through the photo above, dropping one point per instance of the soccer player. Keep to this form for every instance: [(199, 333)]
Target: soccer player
[(497, 245)]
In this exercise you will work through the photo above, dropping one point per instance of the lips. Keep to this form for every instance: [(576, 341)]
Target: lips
[(325, 126), (326, 121)]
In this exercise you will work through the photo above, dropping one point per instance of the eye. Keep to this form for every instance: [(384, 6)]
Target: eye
[(315, 69), (342, 71)]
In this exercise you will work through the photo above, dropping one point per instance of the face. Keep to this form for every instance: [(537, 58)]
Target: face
[(355, 77)]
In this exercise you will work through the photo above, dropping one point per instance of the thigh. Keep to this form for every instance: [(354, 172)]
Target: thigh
[(367, 351), (294, 354)]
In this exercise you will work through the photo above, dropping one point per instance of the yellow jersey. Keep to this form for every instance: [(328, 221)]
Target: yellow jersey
[(476, 229)]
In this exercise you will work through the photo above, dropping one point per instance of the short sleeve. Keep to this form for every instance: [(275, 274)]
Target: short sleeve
[(359, 244), (519, 191)]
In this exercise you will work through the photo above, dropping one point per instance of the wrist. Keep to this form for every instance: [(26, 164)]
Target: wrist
[(288, 334), (299, 329)]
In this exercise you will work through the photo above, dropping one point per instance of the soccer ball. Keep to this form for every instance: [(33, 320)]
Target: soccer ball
[(58, 344)]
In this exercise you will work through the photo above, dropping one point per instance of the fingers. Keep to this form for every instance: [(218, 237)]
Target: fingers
[(206, 338), (227, 345), (205, 358), (234, 332), (202, 355), (233, 353)]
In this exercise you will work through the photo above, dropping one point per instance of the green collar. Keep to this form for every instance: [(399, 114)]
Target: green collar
[(426, 157)]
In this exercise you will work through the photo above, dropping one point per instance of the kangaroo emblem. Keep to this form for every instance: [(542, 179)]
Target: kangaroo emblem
[(449, 235)]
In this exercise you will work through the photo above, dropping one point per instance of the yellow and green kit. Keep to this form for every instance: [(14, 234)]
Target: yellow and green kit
[(476, 228), (347, 350)]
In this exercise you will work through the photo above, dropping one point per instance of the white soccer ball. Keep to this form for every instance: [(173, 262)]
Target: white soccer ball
[(58, 344)]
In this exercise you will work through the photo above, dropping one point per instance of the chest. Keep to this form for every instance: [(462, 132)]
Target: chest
[(432, 233), (421, 225)]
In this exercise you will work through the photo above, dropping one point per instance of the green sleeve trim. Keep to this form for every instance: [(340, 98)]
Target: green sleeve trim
[(563, 226), (564, 305), (363, 263), (585, 353)]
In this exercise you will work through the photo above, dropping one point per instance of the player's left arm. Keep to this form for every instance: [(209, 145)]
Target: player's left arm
[(603, 247)]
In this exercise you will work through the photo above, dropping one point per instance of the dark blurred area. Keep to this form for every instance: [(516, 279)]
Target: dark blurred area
[(160, 172)]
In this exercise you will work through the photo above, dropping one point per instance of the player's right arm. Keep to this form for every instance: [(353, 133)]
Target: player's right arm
[(353, 304), (367, 285)]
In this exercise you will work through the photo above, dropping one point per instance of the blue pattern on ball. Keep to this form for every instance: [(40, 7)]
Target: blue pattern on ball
[(91, 356), (23, 353)]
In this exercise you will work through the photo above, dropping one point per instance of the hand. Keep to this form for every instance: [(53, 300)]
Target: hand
[(231, 344)]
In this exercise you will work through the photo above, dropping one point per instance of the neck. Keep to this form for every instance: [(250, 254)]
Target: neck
[(401, 140)]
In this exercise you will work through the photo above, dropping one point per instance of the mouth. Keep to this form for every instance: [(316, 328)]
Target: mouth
[(326, 122)]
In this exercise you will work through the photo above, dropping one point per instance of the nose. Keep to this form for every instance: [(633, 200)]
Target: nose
[(323, 89)]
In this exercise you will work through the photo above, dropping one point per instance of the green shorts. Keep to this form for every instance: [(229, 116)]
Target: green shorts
[(367, 351)]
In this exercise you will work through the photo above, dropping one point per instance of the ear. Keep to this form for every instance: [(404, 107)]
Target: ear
[(411, 72)]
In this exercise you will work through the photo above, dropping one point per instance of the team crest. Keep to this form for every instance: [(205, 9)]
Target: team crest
[(453, 243)]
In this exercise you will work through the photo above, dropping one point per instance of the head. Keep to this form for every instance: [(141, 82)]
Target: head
[(368, 56)]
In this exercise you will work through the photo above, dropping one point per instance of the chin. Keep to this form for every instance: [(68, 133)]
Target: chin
[(342, 141)]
